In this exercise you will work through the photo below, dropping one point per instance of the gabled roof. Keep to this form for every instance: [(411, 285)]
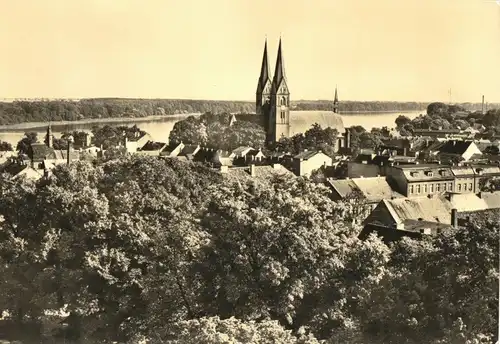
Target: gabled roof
[(462, 171), (305, 155), (453, 147), (375, 189), (40, 151), (153, 146), (241, 151), (255, 152), (422, 172), (189, 149), (343, 187)]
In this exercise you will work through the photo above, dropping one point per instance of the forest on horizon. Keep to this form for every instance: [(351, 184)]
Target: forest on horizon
[(71, 110)]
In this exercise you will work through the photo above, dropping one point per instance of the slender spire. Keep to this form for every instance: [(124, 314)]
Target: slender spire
[(49, 137), (336, 99), (279, 73), (264, 70)]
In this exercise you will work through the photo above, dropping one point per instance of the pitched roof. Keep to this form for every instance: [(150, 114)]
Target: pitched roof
[(240, 151), (435, 209), (422, 172), (305, 155), (40, 151), (375, 188), (279, 71), (255, 152), (343, 187), (153, 146), (189, 149), (462, 171), (454, 147)]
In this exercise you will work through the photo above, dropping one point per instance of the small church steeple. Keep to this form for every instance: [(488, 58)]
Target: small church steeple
[(49, 138), (336, 101)]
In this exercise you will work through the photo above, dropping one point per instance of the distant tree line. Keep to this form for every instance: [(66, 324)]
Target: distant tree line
[(69, 110)]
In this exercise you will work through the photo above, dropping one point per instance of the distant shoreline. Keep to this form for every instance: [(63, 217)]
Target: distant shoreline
[(110, 120), (38, 125)]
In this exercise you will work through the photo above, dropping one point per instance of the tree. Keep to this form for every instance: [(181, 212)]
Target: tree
[(5, 146), (494, 150), (401, 121), (437, 108), (492, 118), (23, 146), (214, 330)]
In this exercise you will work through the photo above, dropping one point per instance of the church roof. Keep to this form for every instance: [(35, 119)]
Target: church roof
[(301, 121)]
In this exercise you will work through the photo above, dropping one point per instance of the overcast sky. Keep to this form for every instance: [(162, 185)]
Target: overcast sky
[(212, 49)]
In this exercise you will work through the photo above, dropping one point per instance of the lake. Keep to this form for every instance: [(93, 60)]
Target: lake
[(159, 127)]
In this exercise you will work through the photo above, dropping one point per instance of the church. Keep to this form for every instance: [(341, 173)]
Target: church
[(273, 105)]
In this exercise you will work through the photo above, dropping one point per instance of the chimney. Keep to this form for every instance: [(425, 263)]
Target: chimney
[(276, 166), (347, 138), (454, 218), (405, 151), (88, 139), (224, 169), (252, 170), (482, 106)]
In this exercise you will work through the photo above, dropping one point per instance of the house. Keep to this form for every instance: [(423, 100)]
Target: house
[(424, 215), (454, 149), (465, 179), (420, 179), (139, 139), (171, 150), (255, 156), (308, 161), (222, 158), (371, 190), (152, 148), (189, 151), (241, 152), (39, 152), (21, 169), (443, 133)]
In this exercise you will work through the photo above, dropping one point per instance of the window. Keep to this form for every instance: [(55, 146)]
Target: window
[(450, 186), (438, 187), (465, 186), (283, 101), (470, 187), (418, 188), (431, 188), (425, 188), (283, 114), (459, 187), (411, 189)]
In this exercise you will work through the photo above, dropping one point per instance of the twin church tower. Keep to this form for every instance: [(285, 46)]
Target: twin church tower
[(273, 98)]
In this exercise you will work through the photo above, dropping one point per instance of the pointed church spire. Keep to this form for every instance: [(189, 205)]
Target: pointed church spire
[(49, 138), (264, 69), (279, 73), (336, 101)]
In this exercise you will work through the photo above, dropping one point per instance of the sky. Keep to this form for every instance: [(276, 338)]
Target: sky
[(387, 50)]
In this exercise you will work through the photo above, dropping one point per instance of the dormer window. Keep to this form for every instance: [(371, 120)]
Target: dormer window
[(429, 173)]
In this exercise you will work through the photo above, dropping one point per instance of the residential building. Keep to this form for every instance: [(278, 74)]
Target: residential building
[(421, 179), (152, 148), (263, 174), (418, 216), (454, 150), (371, 190), (308, 161), (132, 144)]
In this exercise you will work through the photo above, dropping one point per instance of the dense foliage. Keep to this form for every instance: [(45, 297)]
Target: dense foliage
[(443, 116), (142, 247), (217, 131), (5, 146), (315, 138)]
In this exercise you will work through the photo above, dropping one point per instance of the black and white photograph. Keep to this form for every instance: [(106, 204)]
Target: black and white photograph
[(249, 171)]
